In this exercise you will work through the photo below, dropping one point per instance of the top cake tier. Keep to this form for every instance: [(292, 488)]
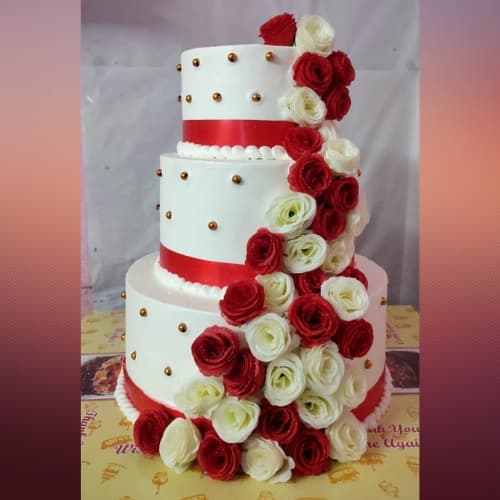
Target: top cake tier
[(231, 94)]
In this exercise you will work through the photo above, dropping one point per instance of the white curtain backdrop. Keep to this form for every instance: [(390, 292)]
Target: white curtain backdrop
[(130, 116)]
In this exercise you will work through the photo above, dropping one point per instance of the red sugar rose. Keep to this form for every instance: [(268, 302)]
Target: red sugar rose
[(203, 424), (310, 174), (279, 30), (149, 428), (218, 459), (310, 450), (354, 338), (344, 193), (264, 251), (352, 272), (313, 71), (309, 282), (328, 222), (300, 140), (338, 103), (246, 377), (215, 350), (314, 319), (279, 423), (342, 69), (243, 301)]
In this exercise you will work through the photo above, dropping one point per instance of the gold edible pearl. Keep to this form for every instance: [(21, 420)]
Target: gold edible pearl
[(143, 312), (182, 327), (178, 67), (256, 97), (179, 98), (184, 175), (168, 214), (133, 355), (167, 371), (196, 62), (159, 173), (359, 172), (189, 98), (269, 56), (157, 207), (232, 57), (216, 97), (236, 179), (212, 225), (368, 364), (123, 295), (122, 336), (383, 301)]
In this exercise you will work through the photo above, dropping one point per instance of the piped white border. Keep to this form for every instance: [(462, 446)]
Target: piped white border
[(200, 151), (127, 408)]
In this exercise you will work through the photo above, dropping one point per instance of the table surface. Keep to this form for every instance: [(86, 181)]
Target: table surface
[(113, 468)]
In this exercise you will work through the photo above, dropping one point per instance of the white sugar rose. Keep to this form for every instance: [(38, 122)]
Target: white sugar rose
[(318, 411), (353, 389), (179, 444), (359, 217), (234, 419), (279, 290), (342, 156), (270, 336), (328, 131), (348, 297), (303, 106), (339, 254), (304, 253), (285, 380), (264, 460), (324, 368), (200, 396), (291, 214), (348, 438), (314, 34)]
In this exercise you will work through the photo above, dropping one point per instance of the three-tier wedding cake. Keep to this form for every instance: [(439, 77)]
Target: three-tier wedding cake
[(255, 337)]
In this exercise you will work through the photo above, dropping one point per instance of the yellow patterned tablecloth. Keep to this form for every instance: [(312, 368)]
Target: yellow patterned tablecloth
[(113, 468)]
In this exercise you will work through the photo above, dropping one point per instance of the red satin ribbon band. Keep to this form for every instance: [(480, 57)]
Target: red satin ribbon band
[(142, 402), (235, 132), (207, 272)]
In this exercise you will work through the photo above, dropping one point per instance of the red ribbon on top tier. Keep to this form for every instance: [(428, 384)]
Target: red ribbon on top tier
[(236, 132), (206, 272)]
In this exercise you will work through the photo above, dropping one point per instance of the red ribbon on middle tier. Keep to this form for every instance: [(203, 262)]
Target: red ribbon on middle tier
[(206, 272), (236, 132)]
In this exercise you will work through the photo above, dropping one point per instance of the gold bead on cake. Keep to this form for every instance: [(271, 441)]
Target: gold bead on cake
[(212, 225), (143, 312), (359, 172), (236, 179), (123, 295), (189, 98), (133, 355), (184, 175), (122, 336), (216, 97), (157, 207), (167, 371), (256, 97), (182, 327), (383, 301), (178, 67), (269, 56), (368, 364), (232, 57), (168, 214), (159, 173), (179, 98), (196, 62)]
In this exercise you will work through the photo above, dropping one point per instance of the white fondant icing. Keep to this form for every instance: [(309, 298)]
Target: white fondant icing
[(199, 151), (235, 82), (208, 194), (158, 342)]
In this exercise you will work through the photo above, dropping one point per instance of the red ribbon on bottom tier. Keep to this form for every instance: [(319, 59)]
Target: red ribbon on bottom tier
[(206, 272), (142, 402)]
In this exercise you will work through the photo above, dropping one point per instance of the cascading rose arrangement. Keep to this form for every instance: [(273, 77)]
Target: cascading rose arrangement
[(275, 391)]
